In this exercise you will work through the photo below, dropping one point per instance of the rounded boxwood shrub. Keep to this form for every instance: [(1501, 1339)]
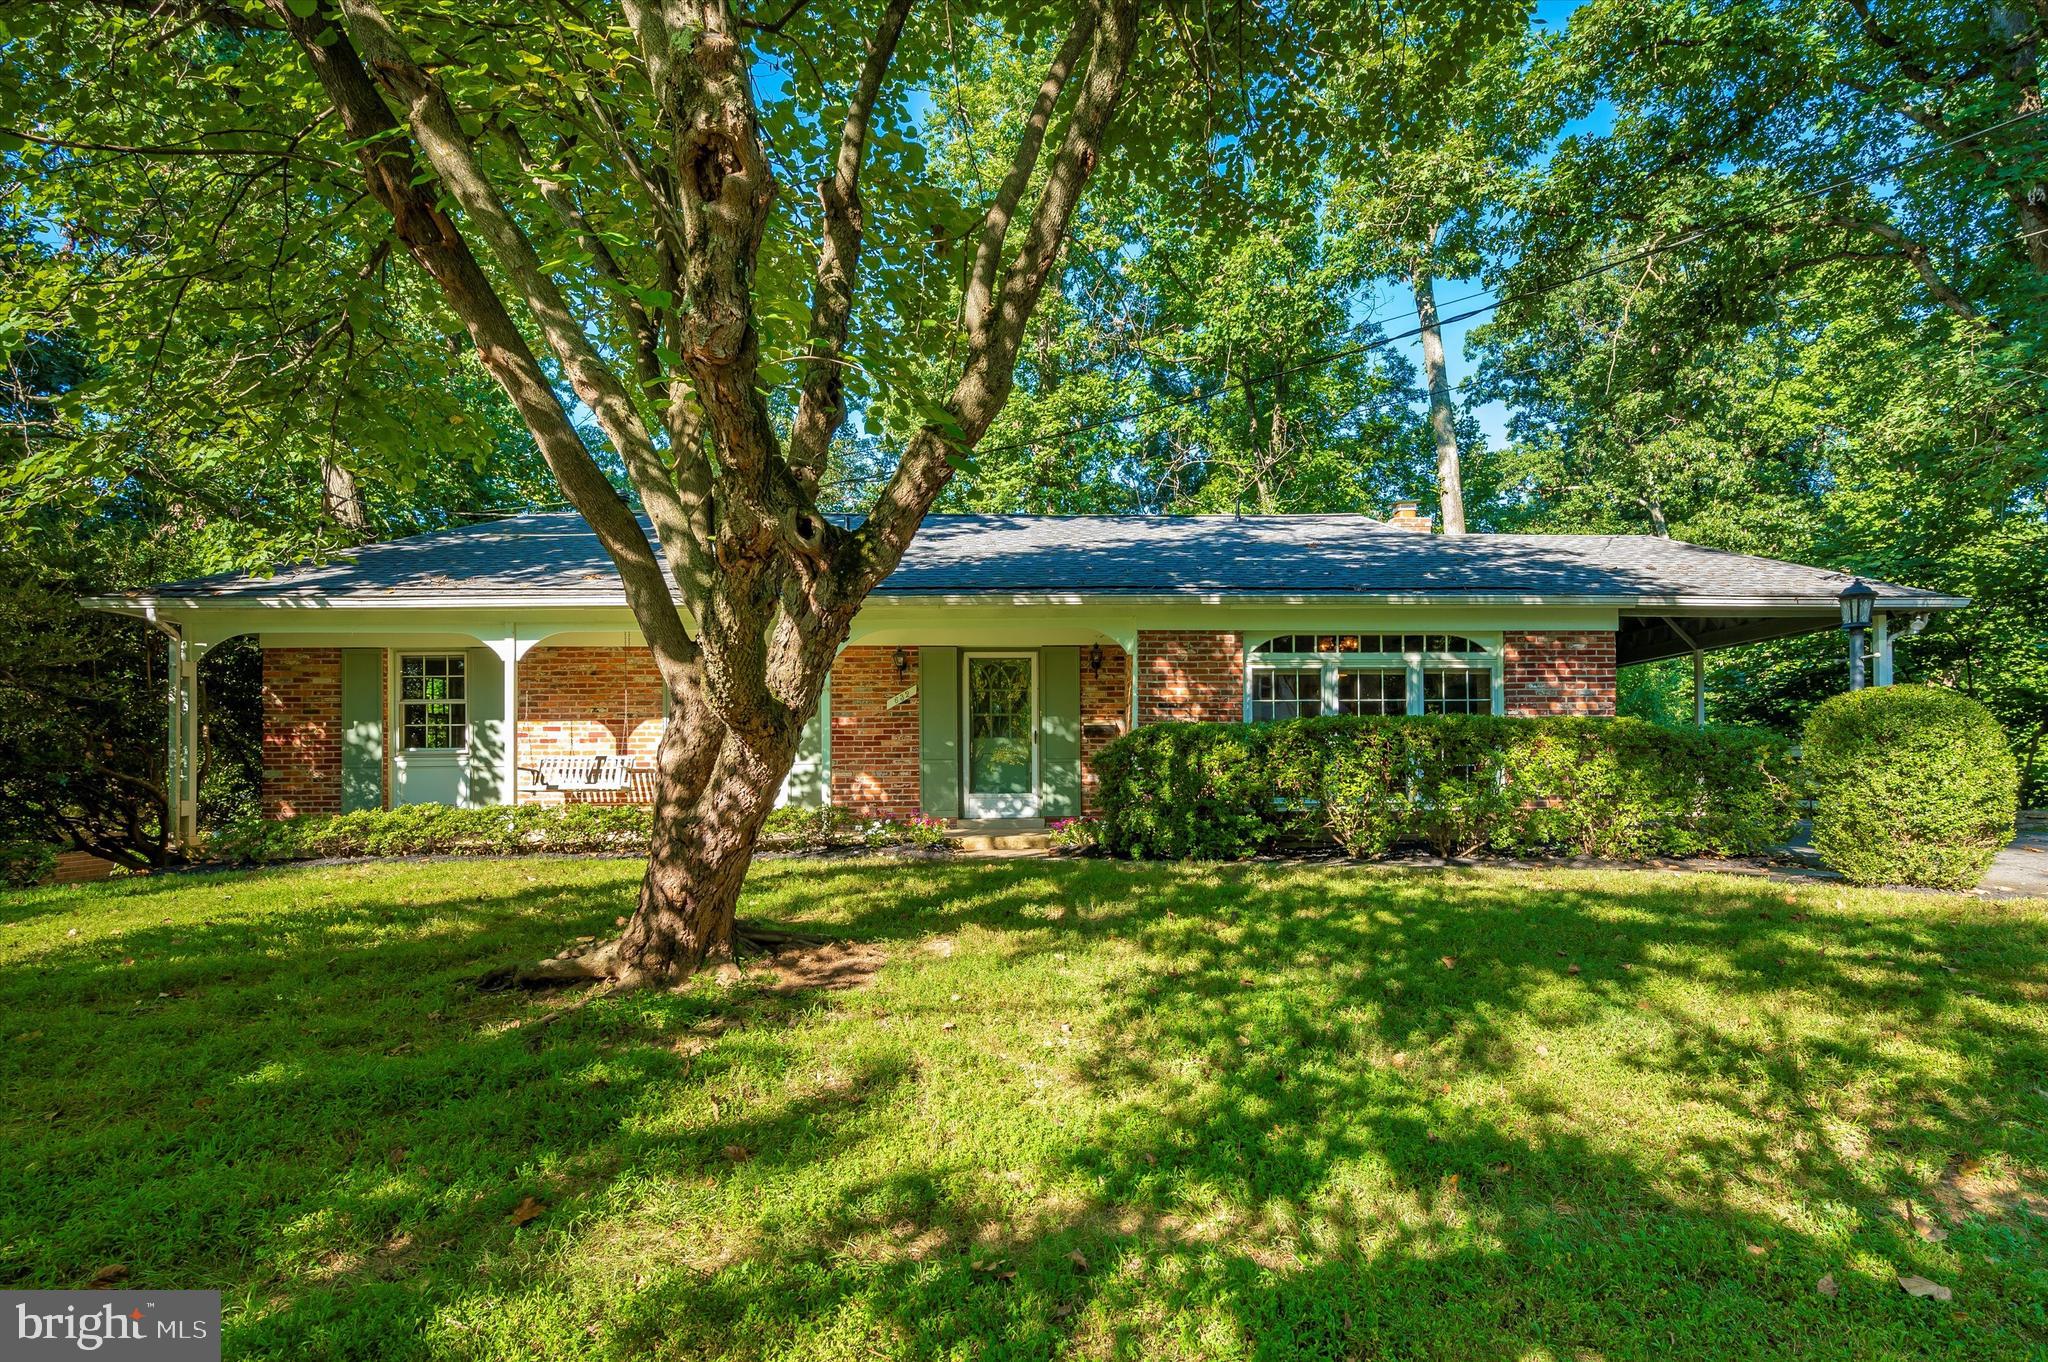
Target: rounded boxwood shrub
[(1910, 785)]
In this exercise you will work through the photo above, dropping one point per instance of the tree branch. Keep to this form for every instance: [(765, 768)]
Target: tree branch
[(1922, 261), (821, 405), (439, 134), (991, 365), (435, 242), (978, 304)]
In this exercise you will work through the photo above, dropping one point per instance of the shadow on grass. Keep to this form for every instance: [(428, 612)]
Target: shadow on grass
[(1319, 1113)]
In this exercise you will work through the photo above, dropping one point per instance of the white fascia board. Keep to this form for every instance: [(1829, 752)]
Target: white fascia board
[(140, 605)]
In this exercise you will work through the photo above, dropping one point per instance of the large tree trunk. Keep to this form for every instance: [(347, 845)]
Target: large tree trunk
[(768, 584), (698, 857), (1443, 420)]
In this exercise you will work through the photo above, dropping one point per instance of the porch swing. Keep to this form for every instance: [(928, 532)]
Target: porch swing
[(599, 777)]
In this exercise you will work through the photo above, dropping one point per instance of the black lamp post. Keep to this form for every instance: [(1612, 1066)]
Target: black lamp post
[(1857, 600)]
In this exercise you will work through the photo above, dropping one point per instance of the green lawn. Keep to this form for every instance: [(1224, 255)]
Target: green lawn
[(1084, 1109)]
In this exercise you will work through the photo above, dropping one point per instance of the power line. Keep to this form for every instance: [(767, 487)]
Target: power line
[(1642, 253)]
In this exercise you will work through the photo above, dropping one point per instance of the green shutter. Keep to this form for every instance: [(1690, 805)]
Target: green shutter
[(1059, 732), (362, 729), (809, 784), (938, 700), (490, 734)]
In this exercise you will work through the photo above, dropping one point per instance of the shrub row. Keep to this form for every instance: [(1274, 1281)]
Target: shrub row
[(1911, 785), (1456, 783), (512, 829)]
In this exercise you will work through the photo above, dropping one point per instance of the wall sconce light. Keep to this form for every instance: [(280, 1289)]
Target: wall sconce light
[(902, 660), (1095, 659)]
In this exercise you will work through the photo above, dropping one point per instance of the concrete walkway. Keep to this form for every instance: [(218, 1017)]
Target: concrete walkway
[(2022, 868), (2019, 871)]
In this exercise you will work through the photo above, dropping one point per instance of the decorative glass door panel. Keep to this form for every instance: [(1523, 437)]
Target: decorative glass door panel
[(1001, 716)]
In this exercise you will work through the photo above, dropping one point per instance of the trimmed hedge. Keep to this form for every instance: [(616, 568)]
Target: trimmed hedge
[(1911, 785), (513, 829), (25, 863), (1456, 783)]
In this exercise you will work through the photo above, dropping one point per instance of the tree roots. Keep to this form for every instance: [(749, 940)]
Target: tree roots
[(602, 964)]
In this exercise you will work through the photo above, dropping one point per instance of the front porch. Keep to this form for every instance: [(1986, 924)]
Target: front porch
[(967, 734)]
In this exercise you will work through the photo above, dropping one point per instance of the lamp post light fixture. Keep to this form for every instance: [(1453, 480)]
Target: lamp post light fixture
[(1857, 599)]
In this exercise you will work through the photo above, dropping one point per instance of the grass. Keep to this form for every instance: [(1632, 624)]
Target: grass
[(1084, 1109)]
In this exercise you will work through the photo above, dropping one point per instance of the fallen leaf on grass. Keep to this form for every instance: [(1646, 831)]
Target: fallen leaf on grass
[(1920, 1286), (1826, 1286), (1756, 1250), (1078, 1259), (1571, 969), (528, 1209), (738, 1153), (104, 1279), (945, 1026), (1450, 962)]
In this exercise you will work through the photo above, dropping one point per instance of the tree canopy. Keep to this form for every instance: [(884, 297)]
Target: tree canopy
[(275, 277)]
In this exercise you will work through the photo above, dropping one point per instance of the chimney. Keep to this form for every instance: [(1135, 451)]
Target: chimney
[(1407, 516)]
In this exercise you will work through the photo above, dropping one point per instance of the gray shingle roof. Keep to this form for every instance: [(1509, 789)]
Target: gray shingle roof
[(551, 557)]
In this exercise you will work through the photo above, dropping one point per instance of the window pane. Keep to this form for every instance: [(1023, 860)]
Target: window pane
[(1459, 692), (1372, 692), (432, 713), (1286, 694)]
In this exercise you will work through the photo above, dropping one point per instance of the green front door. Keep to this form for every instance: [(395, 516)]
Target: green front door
[(1000, 717)]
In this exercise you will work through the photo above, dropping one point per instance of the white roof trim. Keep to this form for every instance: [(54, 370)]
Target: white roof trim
[(1720, 604)]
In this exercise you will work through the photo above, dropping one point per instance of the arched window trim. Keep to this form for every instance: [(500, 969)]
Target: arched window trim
[(1285, 675)]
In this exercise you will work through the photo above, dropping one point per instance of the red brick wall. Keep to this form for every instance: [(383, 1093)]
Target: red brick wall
[(585, 702), (301, 731), (1559, 672), (1190, 674), (874, 748), (1105, 700), (79, 867)]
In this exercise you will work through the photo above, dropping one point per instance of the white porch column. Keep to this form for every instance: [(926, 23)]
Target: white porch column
[(506, 645), (1699, 689), (1883, 624), (181, 768)]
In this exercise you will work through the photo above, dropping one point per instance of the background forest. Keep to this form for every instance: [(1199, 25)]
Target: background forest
[(1768, 277)]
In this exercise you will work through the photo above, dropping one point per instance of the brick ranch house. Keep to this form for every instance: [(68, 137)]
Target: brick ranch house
[(499, 663)]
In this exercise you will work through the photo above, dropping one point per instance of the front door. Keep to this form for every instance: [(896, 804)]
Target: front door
[(1001, 718)]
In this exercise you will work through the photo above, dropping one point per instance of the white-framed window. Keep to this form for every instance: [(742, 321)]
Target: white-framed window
[(1294, 676), (433, 702)]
